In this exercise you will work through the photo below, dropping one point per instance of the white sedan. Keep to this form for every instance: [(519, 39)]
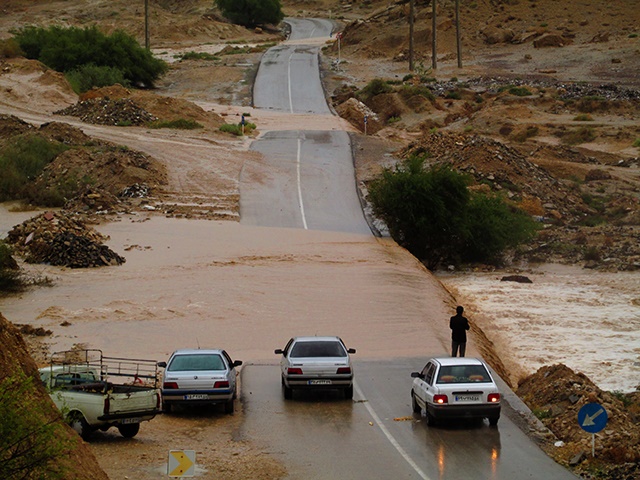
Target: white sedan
[(455, 387), (316, 363)]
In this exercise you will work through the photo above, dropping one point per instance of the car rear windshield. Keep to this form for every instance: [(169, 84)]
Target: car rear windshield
[(463, 374), (318, 349), (190, 363)]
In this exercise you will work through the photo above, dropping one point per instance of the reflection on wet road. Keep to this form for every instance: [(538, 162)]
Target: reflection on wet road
[(376, 436)]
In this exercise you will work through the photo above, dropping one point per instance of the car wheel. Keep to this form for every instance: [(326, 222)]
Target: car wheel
[(493, 421), (431, 420), (229, 407), (80, 425), (287, 392), (414, 404), (129, 430), (348, 392), (166, 407)]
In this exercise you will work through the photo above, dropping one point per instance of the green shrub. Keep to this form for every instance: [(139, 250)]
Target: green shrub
[(251, 13), (433, 214), (9, 48), (520, 91), (86, 77), (375, 87), (583, 117), (23, 160), (68, 49), (453, 95), (581, 135), (31, 439), (236, 128), (408, 91), (523, 135), (181, 123), (197, 56), (637, 142), (9, 272), (592, 103)]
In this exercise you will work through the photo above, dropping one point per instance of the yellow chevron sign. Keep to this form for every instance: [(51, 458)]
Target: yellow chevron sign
[(182, 463)]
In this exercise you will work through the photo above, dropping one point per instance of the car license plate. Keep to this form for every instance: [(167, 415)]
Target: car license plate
[(467, 398), (197, 396), (130, 420), (319, 382)]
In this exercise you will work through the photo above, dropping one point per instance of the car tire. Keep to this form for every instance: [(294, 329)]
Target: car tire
[(493, 421), (287, 392), (229, 407), (414, 404), (80, 425), (129, 430), (431, 420), (166, 407), (348, 393)]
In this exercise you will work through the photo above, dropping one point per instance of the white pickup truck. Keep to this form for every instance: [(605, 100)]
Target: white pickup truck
[(95, 392)]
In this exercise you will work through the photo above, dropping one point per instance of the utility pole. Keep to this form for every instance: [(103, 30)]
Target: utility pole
[(411, 35), (434, 37), (459, 49), (146, 25)]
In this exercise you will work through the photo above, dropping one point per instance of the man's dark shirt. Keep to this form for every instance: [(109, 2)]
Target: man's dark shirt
[(459, 326)]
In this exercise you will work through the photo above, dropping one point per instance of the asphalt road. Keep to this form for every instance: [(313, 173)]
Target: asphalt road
[(377, 436), (306, 180)]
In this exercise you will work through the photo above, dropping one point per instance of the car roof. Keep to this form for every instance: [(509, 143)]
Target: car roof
[(452, 361), (195, 351), (316, 339)]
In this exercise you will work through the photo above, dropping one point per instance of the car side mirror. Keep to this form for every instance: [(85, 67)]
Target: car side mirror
[(416, 375), (278, 351), (351, 350), (237, 363), (162, 364)]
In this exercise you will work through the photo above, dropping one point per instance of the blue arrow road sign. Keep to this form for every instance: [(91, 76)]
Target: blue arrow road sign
[(592, 417)]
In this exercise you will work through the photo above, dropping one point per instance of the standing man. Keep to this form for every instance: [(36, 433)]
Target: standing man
[(459, 326)]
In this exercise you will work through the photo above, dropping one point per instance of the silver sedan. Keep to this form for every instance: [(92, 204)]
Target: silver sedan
[(315, 363)]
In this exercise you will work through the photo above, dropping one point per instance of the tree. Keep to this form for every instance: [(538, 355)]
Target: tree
[(251, 13), (30, 439), (432, 214)]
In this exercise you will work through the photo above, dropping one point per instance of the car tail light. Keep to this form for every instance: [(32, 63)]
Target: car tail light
[(440, 399), (294, 371), (157, 401), (494, 397), (343, 370), (221, 384), (169, 385)]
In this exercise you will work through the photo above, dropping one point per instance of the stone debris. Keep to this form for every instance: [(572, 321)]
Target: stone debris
[(105, 111), (556, 394), (61, 239)]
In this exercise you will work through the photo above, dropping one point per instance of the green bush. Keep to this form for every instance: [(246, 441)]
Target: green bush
[(583, 117), (581, 135), (9, 272), (377, 86), (68, 49), (198, 56), (637, 142), (408, 91), (9, 48), (181, 123), (432, 214), (520, 91), (251, 13), (23, 160), (236, 128), (31, 440), (86, 77)]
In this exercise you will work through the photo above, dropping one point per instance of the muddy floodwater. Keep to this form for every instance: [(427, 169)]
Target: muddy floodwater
[(588, 320), (190, 283)]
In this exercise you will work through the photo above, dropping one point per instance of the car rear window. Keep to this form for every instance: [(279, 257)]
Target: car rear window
[(463, 374), (318, 349), (189, 363)]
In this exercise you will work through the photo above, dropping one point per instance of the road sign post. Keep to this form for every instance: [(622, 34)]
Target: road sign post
[(592, 418)]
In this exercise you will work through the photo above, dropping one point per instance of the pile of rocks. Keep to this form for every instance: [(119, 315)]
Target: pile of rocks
[(556, 394), (61, 239), (106, 111)]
